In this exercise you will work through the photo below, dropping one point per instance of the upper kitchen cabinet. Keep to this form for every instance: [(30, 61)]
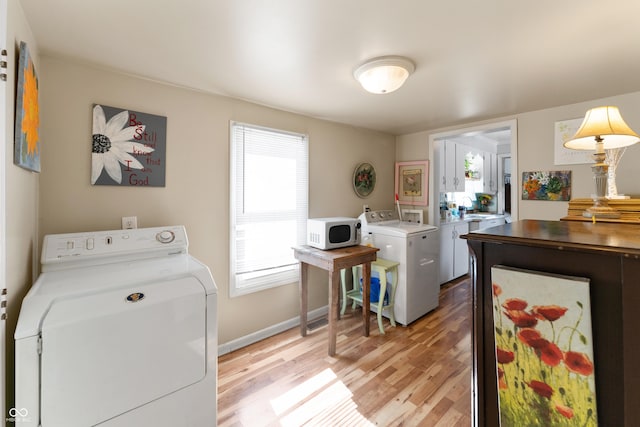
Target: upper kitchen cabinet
[(466, 169), (452, 161), (490, 173)]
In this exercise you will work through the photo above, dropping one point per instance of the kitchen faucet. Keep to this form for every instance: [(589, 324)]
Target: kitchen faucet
[(468, 198)]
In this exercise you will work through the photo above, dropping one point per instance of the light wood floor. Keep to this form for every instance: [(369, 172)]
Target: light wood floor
[(411, 376)]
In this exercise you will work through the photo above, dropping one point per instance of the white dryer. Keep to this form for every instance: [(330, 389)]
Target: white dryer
[(120, 329), (416, 247)]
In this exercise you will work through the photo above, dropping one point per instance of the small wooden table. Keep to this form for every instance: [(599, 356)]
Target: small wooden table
[(333, 261)]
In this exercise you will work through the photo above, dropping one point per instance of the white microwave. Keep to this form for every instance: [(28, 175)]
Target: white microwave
[(331, 233)]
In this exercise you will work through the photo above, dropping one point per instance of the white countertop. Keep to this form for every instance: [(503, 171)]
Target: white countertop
[(454, 220), (482, 216)]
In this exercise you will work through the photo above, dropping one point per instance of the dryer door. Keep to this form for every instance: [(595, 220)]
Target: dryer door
[(105, 354)]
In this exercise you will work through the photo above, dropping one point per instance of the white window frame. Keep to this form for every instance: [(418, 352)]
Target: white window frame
[(253, 275)]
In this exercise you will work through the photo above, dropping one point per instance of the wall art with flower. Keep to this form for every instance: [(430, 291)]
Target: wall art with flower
[(128, 148), (553, 185), (412, 182), (364, 179), (544, 349), (26, 153)]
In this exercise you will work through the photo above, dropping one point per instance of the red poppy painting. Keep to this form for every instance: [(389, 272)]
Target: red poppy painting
[(544, 349)]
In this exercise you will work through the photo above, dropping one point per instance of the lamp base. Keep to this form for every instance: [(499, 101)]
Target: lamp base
[(601, 209)]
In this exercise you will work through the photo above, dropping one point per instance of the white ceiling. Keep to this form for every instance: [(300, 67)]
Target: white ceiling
[(475, 60)]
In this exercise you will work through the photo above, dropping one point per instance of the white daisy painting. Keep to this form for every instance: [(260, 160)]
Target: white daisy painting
[(128, 148)]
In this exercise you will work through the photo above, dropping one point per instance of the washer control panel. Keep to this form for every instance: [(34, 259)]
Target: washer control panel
[(125, 244), (166, 236), (373, 217)]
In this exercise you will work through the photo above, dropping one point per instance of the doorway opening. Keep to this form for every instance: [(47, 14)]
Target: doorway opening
[(496, 145)]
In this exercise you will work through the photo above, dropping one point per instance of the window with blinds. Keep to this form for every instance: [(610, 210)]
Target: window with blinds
[(269, 205)]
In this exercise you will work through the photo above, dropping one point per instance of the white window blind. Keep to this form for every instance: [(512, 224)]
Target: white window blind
[(269, 205)]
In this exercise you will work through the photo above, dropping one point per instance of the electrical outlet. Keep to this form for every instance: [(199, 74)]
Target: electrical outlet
[(129, 222)]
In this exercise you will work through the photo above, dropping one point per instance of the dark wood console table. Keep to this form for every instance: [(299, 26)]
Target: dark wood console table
[(609, 255), (333, 261)]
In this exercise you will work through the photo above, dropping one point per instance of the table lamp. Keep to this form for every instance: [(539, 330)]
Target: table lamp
[(602, 128)]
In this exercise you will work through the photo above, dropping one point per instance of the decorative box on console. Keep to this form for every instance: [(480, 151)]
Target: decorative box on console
[(629, 210)]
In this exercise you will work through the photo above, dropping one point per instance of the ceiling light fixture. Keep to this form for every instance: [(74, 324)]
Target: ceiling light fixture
[(384, 74)]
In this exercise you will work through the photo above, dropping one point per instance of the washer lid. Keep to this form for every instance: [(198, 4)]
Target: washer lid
[(108, 353), (398, 228)]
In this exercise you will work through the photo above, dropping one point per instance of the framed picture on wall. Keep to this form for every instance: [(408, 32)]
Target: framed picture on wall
[(128, 148), (546, 185), (27, 139), (412, 186), (563, 131), (364, 179)]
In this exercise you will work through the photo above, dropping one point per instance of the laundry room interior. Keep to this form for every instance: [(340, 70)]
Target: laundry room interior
[(72, 192)]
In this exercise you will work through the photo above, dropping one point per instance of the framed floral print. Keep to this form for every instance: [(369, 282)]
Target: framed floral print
[(546, 185), (563, 131), (412, 183)]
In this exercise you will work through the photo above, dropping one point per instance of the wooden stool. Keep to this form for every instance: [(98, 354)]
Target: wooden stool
[(382, 267)]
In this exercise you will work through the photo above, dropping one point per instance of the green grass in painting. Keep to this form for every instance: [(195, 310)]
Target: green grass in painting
[(540, 383)]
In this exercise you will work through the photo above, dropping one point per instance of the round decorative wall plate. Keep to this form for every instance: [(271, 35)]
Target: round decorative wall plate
[(364, 179)]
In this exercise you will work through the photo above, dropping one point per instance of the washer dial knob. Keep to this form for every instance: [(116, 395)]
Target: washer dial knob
[(165, 236)]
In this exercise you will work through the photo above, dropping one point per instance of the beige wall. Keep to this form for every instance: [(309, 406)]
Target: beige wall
[(413, 147), (535, 151), (21, 196), (197, 175)]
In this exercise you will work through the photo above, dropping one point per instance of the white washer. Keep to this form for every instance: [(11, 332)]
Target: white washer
[(120, 329), (416, 247)]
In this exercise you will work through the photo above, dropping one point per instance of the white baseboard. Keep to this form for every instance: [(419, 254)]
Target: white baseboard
[(230, 346)]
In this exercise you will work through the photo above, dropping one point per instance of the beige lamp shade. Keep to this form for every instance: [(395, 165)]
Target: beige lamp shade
[(606, 124), (385, 74)]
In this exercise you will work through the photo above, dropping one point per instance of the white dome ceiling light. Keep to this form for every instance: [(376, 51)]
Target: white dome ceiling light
[(384, 74)]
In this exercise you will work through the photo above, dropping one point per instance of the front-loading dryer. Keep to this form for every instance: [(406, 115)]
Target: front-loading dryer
[(120, 329)]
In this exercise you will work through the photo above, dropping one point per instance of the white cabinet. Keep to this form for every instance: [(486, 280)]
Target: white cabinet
[(452, 172), (454, 253), (486, 223), (490, 173)]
